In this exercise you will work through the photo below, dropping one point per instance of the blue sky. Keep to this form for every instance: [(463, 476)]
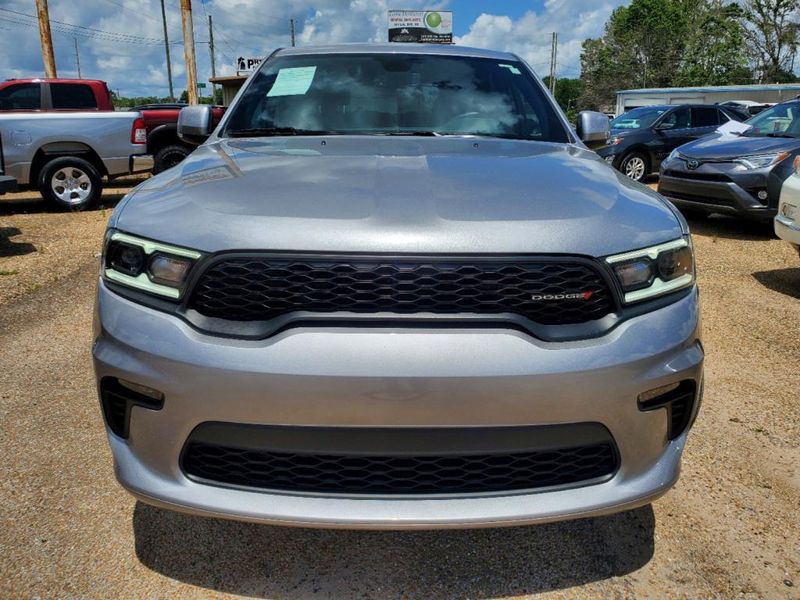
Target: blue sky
[(121, 41)]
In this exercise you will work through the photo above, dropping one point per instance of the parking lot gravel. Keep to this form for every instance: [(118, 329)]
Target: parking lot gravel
[(729, 529)]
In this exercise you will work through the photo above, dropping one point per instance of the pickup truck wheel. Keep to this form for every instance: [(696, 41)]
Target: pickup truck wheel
[(168, 157), (635, 165), (70, 183)]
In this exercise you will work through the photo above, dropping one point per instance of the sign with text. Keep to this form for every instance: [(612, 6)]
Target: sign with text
[(248, 63), (423, 26)]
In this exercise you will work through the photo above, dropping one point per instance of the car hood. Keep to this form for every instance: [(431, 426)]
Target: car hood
[(723, 146), (418, 195)]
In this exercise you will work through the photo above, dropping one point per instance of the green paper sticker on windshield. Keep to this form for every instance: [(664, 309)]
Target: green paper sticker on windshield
[(511, 68), (293, 81)]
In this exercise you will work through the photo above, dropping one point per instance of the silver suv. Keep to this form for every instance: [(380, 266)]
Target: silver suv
[(394, 289)]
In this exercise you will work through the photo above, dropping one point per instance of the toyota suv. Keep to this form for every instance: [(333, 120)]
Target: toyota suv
[(736, 173), (394, 289)]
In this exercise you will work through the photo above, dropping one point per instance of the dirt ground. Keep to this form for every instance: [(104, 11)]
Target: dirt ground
[(729, 529)]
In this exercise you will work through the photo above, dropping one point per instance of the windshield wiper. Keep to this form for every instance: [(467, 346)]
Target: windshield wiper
[(407, 133), (274, 131), (780, 135)]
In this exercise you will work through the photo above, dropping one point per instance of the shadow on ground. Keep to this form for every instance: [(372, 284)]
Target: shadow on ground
[(289, 563), (785, 281), (38, 205), (8, 247), (731, 228)]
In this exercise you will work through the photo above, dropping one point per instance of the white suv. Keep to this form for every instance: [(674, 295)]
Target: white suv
[(787, 221)]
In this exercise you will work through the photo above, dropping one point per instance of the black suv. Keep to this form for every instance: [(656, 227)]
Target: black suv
[(739, 174), (641, 138)]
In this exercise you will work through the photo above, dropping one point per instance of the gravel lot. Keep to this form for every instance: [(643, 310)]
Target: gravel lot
[(729, 528)]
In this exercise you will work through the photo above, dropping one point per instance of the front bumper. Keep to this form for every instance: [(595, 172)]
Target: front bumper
[(787, 222), (720, 188), (395, 378), (140, 163), (7, 184)]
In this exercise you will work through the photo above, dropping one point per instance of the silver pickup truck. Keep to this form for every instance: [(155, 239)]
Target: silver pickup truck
[(66, 155)]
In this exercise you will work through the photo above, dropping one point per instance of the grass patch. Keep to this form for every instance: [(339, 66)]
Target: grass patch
[(5, 273)]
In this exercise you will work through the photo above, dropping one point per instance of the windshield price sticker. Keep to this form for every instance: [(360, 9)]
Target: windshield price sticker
[(293, 81)]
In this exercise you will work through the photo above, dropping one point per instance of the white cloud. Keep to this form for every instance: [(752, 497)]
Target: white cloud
[(530, 35), (256, 27)]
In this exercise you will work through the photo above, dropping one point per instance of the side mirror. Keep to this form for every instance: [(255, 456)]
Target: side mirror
[(194, 124), (594, 128), (664, 126)]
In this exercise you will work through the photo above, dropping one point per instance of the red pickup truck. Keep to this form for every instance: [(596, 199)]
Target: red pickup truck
[(161, 122), (54, 94)]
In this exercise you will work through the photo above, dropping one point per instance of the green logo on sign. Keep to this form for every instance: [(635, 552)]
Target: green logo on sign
[(433, 20)]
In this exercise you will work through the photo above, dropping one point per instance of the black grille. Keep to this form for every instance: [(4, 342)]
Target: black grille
[(697, 176), (260, 288), (698, 197), (367, 474)]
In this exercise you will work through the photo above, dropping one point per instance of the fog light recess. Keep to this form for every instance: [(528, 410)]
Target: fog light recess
[(119, 396), (678, 399)]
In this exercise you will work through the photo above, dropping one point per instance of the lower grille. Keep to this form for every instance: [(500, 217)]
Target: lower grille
[(548, 291), (700, 197), (421, 473), (697, 176)]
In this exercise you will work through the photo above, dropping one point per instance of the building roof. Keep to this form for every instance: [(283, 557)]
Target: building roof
[(717, 88), (229, 79)]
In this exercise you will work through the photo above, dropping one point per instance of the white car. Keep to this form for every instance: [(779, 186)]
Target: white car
[(787, 221)]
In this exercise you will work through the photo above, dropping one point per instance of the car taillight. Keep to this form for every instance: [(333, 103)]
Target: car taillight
[(796, 164), (138, 132)]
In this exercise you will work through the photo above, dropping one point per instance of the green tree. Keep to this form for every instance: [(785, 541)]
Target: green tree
[(772, 30), (715, 50), (567, 93), (664, 43)]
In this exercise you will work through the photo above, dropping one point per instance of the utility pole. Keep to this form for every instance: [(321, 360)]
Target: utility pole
[(291, 28), (46, 39), (166, 48), (188, 51), (211, 50), (77, 57), (553, 62)]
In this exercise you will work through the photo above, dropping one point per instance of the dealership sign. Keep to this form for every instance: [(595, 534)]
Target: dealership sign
[(248, 63), (424, 26)]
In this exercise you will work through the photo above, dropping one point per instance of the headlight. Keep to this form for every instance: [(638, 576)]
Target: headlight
[(614, 140), (146, 265), (759, 161), (673, 154), (654, 271)]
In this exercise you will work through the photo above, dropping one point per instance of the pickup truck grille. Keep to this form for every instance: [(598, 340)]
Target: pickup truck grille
[(549, 291)]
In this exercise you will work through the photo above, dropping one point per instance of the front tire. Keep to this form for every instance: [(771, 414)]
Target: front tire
[(169, 156), (635, 166), (70, 183)]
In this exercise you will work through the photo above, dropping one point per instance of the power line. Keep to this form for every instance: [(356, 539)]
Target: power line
[(90, 30), (130, 10)]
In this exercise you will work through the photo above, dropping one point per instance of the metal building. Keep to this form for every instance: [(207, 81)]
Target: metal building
[(769, 93)]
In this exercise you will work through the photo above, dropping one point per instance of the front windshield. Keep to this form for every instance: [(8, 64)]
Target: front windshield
[(782, 120), (395, 94), (638, 118)]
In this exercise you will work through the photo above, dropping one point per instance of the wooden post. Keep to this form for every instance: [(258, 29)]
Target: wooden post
[(213, 59), (188, 51), (166, 48), (46, 38)]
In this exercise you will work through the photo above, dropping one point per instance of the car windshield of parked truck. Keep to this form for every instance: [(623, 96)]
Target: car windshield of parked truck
[(395, 94), (782, 120), (638, 118)]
